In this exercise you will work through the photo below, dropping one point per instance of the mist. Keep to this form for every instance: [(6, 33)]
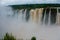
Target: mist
[(21, 29)]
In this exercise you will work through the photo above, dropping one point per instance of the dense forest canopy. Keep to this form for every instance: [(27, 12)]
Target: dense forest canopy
[(33, 6)]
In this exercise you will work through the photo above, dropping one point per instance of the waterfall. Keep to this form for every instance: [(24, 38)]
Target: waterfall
[(44, 18), (18, 22), (49, 17), (23, 14)]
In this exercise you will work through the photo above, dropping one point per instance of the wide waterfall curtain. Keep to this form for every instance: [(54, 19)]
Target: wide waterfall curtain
[(45, 16)]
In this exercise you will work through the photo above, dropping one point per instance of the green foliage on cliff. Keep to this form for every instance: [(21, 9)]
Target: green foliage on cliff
[(33, 6)]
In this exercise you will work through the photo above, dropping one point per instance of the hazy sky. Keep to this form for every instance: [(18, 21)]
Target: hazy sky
[(27, 1)]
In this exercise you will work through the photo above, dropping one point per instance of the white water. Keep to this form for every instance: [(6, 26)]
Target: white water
[(25, 30), (44, 18)]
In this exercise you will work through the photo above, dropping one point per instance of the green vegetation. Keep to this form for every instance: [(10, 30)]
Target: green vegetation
[(33, 38), (9, 37), (33, 6)]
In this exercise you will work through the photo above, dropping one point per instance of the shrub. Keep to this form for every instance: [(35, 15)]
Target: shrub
[(33, 38), (9, 37)]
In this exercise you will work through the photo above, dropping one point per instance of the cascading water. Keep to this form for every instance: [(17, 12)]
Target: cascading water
[(49, 17), (44, 18), (16, 24)]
